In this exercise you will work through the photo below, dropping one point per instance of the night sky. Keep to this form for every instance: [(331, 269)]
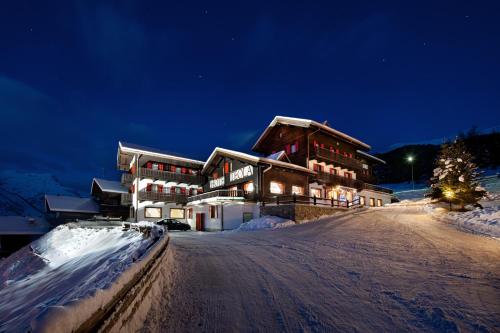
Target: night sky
[(186, 76)]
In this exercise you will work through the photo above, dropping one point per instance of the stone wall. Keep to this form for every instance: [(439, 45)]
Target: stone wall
[(299, 213)]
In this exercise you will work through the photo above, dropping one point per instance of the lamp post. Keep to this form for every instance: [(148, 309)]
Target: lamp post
[(410, 160)]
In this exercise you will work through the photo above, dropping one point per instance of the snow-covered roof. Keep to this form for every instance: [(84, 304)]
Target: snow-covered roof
[(20, 225), (307, 123), (370, 156), (60, 203), (278, 156), (254, 159), (110, 186), (137, 149)]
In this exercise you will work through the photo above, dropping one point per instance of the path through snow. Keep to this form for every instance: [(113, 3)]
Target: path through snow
[(391, 269)]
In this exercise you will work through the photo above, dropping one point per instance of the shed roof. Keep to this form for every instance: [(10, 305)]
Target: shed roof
[(60, 203), (21, 225), (110, 186)]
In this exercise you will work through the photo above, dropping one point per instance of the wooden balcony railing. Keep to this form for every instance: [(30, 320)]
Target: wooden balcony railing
[(127, 178), (126, 199), (326, 154), (162, 197), (171, 176), (230, 194), (339, 180)]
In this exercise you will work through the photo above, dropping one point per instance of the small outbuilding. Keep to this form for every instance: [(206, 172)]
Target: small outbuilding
[(19, 231), (112, 196), (61, 209)]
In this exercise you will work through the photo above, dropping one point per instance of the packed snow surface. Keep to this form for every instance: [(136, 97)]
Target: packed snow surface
[(68, 264), (265, 222), (394, 269)]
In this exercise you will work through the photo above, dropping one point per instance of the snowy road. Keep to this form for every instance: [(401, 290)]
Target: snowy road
[(384, 270)]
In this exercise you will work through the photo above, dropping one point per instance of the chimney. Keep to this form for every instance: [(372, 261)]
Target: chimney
[(326, 123)]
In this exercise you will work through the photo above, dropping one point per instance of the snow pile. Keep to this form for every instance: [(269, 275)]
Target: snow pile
[(265, 222), (68, 273)]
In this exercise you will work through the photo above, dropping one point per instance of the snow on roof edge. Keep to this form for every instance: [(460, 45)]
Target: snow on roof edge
[(122, 146), (92, 206), (100, 182), (307, 123), (370, 156), (254, 159)]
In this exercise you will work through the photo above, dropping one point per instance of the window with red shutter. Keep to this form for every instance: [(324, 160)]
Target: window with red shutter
[(287, 149), (226, 167), (148, 187), (160, 188), (160, 166), (149, 165), (172, 190), (183, 170), (331, 149), (337, 151), (322, 145), (183, 190), (172, 168)]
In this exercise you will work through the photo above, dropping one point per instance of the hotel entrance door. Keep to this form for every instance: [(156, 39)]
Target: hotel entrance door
[(200, 222)]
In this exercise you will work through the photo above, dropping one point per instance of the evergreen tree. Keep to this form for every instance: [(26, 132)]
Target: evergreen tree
[(455, 176)]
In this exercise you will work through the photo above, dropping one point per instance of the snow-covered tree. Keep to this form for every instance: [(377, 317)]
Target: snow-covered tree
[(455, 176)]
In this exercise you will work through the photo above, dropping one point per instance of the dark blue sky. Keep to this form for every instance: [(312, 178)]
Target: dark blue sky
[(185, 76)]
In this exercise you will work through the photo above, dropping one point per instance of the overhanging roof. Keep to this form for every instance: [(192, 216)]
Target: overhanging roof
[(370, 156), (137, 149), (61, 203), (306, 123), (252, 159), (109, 186)]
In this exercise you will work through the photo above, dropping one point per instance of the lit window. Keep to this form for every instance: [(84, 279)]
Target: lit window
[(316, 192), (361, 200), (276, 188), (372, 202), (299, 190), (152, 212), (177, 213), (248, 187), (379, 202)]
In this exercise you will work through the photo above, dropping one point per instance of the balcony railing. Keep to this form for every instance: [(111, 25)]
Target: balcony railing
[(339, 180), (162, 197), (171, 176), (127, 178), (333, 157), (229, 194), (307, 200), (126, 199)]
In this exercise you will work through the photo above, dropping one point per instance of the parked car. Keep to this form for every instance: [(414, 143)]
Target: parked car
[(173, 224)]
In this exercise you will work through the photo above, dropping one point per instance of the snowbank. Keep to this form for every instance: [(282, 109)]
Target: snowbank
[(67, 275), (265, 222)]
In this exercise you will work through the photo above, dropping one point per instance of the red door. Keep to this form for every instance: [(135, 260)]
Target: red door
[(200, 222)]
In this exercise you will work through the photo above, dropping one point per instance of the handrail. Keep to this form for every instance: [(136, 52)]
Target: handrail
[(338, 158), (316, 201), (220, 193), (168, 175), (160, 196), (340, 180)]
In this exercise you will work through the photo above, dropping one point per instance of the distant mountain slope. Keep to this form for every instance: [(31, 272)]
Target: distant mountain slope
[(23, 193), (484, 147)]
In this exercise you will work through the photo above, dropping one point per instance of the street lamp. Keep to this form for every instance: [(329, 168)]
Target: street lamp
[(410, 160), (449, 194)]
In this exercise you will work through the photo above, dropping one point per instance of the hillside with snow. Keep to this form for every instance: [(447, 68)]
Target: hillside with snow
[(23, 193)]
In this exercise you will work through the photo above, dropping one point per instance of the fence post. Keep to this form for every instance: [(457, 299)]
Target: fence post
[(347, 201), (294, 198), (332, 201), (314, 200)]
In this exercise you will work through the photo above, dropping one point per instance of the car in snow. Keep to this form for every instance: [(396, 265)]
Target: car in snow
[(173, 224)]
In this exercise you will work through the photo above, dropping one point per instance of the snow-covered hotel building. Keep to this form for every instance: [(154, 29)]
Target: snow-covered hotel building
[(299, 161)]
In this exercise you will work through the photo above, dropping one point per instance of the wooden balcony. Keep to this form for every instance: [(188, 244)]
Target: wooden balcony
[(171, 176), (224, 194), (162, 197), (337, 159), (127, 178), (335, 180), (126, 199)]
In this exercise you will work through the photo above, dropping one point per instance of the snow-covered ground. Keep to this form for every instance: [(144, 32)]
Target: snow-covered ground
[(394, 269), (62, 270), (265, 222)]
